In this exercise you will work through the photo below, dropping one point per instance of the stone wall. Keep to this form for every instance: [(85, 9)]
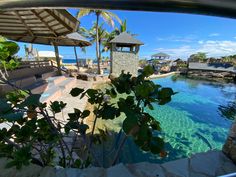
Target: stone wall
[(229, 147), (211, 75), (127, 61), (28, 72)]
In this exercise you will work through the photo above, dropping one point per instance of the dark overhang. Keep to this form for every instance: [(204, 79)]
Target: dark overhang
[(225, 8)]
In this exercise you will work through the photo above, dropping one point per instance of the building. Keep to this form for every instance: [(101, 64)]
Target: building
[(47, 55), (124, 54), (160, 56)]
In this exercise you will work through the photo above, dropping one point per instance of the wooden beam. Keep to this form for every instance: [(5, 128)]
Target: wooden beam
[(45, 23), (18, 15), (60, 20)]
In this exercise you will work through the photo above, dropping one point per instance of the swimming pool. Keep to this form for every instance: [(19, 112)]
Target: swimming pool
[(192, 122)]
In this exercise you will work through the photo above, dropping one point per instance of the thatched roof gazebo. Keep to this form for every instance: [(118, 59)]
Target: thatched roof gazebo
[(42, 26), (124, 54), (160, 56), (36, 25), (125, 39)]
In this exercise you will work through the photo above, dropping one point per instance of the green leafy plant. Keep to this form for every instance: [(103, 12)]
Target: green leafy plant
[(7, 50), (138, 124), (35, 135)]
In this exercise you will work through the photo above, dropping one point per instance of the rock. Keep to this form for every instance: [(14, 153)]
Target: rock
[(146, 169), (26, 171), (48, 172), (177, 168), (228, 167), (232, 153), (6, 172), (73, 172), (97, 78), (227, 146), (112, 76), (82, 76), (61, 172), (118, 171), (94, 171), (206, 163), (29, 171), (232, 132)]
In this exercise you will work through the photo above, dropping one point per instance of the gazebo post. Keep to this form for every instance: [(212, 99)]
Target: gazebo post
[(57, 59), (76, 57)]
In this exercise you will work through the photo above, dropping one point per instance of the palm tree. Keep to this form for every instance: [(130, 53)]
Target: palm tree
[(107, 16), (114, 33), (99, 35)]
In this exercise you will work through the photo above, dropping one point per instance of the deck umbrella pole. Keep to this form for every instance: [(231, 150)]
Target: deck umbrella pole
[(76, 57), (57, 59)]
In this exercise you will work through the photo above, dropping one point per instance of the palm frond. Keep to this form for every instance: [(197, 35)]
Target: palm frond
[(107, 18), (84, 12), (114, 16)]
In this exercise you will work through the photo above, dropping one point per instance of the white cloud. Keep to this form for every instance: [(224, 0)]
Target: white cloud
[(200, 42), (182, 51), (214, 34), (173, 38), (212, 48)]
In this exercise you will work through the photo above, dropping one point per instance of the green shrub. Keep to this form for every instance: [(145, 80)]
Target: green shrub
[(37, 136)]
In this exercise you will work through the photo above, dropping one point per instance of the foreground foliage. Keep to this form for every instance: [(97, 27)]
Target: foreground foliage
[(7, 51), (34, 134)]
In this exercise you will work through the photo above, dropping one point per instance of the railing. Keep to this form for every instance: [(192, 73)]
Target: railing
[(38, 64), (35, 64)]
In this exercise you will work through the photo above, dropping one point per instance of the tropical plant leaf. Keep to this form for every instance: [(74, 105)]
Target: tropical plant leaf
[(76, 91)]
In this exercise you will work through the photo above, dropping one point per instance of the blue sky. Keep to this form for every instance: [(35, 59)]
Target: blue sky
[(177, 34)]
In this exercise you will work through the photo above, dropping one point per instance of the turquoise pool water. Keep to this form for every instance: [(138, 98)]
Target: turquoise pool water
[(192, 122)]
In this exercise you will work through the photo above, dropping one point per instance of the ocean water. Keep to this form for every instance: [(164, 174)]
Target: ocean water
[(192, 122), (69, 61)]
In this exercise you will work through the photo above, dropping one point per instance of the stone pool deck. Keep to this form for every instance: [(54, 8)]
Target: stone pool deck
[(73, 102), (209, 164)]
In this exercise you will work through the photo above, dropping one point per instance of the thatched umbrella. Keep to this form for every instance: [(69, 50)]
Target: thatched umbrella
[(41, 26)]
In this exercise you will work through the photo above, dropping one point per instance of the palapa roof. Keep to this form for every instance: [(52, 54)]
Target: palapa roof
[(78, 39), (127, 39), (160, 54), (41, 26)]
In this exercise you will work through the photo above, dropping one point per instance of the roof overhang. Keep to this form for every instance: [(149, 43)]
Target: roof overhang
[(225, 8)]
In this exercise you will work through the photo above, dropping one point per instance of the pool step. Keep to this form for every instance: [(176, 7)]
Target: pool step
[(52, 94), (38, 87), (56, 86), (67, 84), (56, 80)]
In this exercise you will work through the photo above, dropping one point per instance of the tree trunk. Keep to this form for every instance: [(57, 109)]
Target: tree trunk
[(76, 57), (57, 59), (97, 44), (100, 56)]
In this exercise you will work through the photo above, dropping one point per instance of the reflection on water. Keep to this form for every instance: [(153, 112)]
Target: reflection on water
[(196, 120)]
